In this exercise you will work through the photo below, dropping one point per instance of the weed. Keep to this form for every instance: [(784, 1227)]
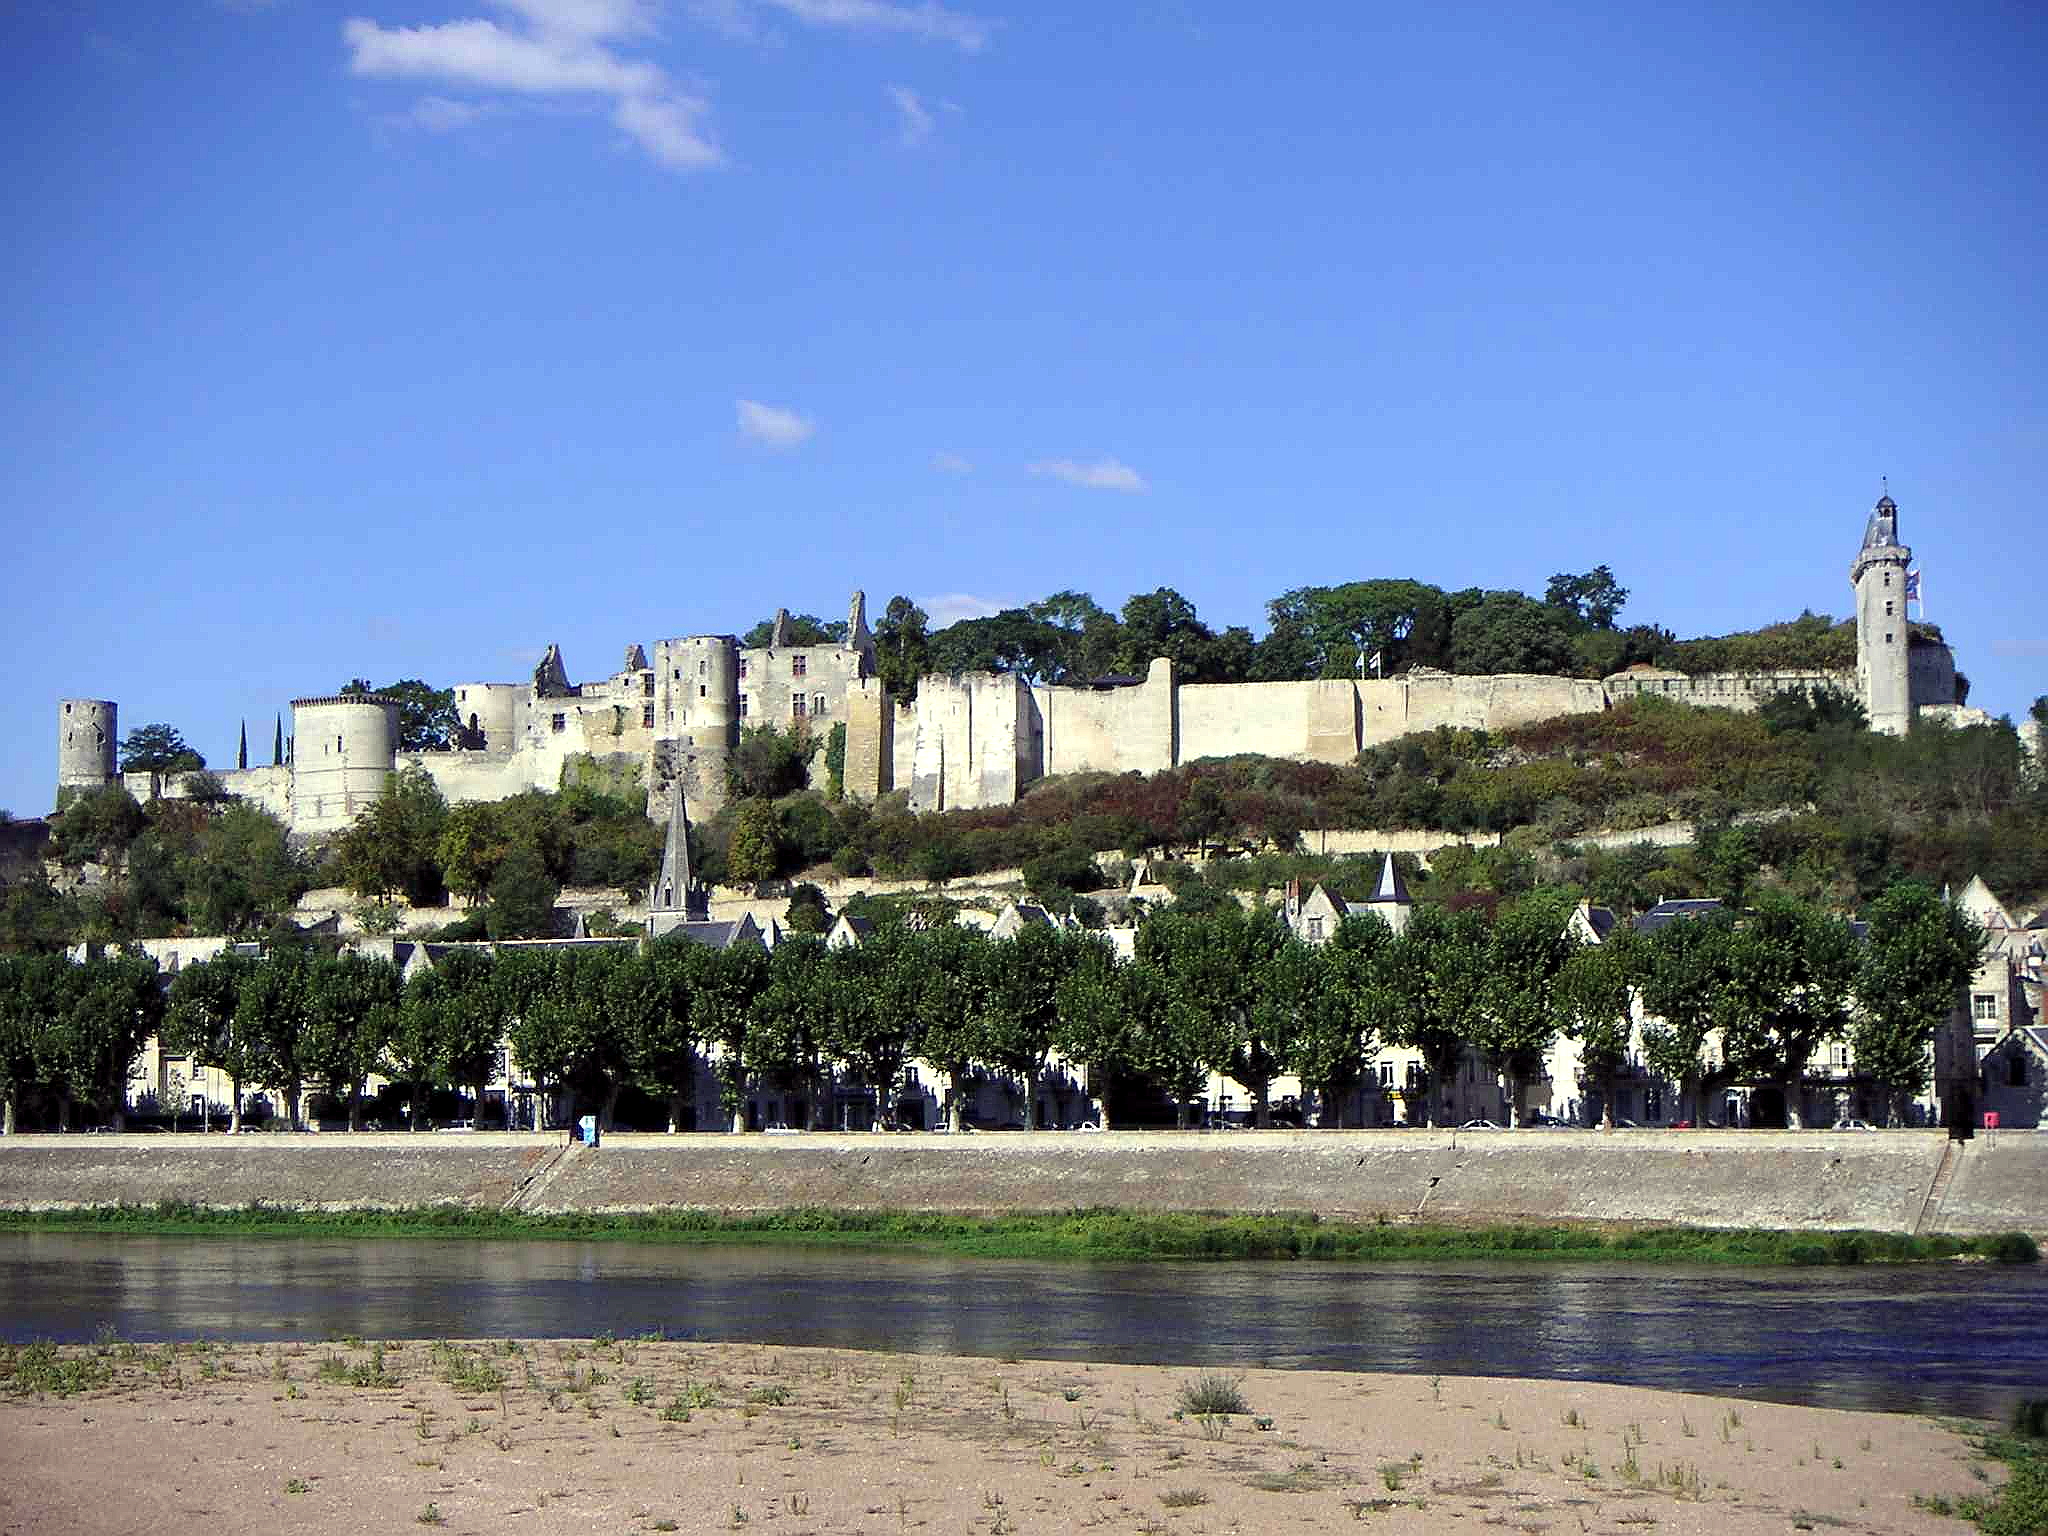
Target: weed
[(431, 1515), (677, 1411), (773, 1397), (1213, 1425), (664, 1525), (639, 1392), (1571, 1419), (1393, 1474), (1071, 1394), (1685, 1428), (38, 1368), (297, 1485), (1183, 1498), (1500, 1418), (1436, 1388), (1210, 1394)]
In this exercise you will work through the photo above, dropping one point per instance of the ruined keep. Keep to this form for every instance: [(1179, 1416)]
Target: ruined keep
[(976, 739)]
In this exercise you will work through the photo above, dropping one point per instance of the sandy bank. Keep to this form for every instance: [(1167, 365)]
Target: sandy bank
[(641, 1436)]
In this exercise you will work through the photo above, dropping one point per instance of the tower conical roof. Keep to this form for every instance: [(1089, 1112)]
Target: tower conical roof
[(1392, 889)]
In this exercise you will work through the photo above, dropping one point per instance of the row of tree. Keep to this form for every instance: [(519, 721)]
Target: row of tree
[(1229, 992)]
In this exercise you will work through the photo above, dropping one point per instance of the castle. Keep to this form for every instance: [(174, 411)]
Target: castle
[(974, 739)]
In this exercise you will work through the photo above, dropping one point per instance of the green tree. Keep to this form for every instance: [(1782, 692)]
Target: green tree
[(807, 911), (753, 856), (354, 1004), (1592, 994), (98, 824), (1439, 965), (31, 997), (475, 1019), (36, 918), (275, 1013), (791, 1017), (1921, 955), (949, 1009), (902, 647), (1349, 1009), (727, 983), (1509, 632), (110, 1006), (1096, 1026), (804, 629), (204, 1021), (416, 1043), (470, 849), (871, 995), (1792, 969), (1214, 967), (665, 1052), (158, 748), (523, 897), (768, 763), (1330, 631), (1518, 1015), (392, 847), (1594, 598), (1020, 1005), (1684, 972)]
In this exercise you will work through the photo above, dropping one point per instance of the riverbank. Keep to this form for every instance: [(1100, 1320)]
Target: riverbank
[(633, 1436), (1904, 1183), (1101, 1235)]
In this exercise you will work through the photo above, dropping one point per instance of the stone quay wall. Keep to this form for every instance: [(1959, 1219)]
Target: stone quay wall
[(1813, 1181)]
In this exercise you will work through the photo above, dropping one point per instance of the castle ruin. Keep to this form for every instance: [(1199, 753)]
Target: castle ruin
[(965, 740)]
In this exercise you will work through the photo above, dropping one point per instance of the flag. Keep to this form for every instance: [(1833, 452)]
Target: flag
[(1376, 659), (1913, 588)]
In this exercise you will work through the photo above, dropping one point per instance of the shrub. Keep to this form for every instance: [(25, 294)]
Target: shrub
[(1212, 1393)]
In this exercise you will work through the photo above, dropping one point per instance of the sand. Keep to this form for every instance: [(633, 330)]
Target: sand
[(641, 1436)]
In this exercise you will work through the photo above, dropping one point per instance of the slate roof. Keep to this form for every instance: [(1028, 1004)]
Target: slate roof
[(1670, 911), (1601, 920)]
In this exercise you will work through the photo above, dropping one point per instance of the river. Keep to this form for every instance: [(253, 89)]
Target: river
[(1939, 1338)]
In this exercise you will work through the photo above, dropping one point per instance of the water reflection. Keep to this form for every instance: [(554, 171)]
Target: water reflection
[(1941, 1338)]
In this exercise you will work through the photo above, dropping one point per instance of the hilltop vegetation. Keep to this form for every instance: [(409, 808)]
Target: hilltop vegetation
[(1866, 810)]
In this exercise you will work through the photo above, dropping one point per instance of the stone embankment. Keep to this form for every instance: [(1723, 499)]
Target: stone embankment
[(1903, 1181)]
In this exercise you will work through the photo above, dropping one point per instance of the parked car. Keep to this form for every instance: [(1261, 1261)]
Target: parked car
[(1478, 1125), (1854, 1125)]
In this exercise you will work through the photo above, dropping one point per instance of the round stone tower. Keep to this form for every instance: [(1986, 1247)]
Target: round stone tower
[(343, 751), (86, 732), (699, 709), (1883, 643)]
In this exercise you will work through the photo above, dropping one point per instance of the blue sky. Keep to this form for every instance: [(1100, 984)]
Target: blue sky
[(404, 337)]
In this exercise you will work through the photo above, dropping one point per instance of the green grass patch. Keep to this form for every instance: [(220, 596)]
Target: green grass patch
[(1098, 1234)]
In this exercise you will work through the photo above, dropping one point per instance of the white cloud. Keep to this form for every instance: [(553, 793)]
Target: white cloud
[(1102, 475), (772, 425), (560, 50), (437, 114), (929, 21), (950, 607), (952, 464), (917, 120)]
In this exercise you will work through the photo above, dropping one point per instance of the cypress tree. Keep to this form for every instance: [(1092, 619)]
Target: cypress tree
[(277, 744), (242, 751)]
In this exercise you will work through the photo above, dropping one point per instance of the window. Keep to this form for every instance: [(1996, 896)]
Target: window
[(796, 705), (1653, 1104), (1887, 607), (1386, 1074), (743, 706), (2016, 1077), (1887, 637), (1315, 930), (561, 722), (817, 704), (702, 691), (647, 718), (1839, 1056), (1984, 1007), (1887, 578), (647, 685), (796, 665), (743, 667), (703, 666)]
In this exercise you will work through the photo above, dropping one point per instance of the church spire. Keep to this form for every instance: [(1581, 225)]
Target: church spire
[(674, 888)]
